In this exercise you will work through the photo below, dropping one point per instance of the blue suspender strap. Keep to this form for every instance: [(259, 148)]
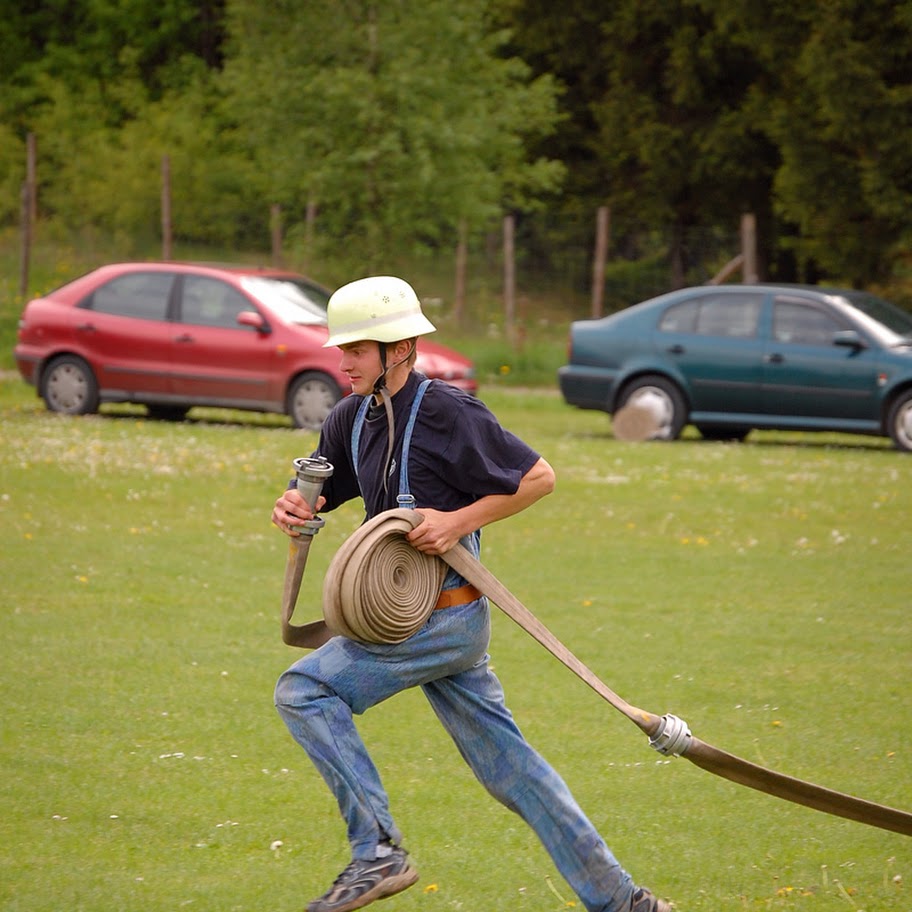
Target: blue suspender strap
[(405, 498), (356, 434)]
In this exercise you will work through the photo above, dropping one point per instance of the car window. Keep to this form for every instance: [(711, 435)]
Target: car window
[(882, 312), (729, 315), (680, 318), (880, 319), (316, 296), (293, 301), (803, 324), (732, 315), (210, 302), (138, 294)]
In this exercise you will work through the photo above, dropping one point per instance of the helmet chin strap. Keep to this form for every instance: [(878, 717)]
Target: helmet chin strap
[(380, 382), (382, 393)]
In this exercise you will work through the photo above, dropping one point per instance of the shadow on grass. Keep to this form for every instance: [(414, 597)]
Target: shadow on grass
[(202, 416), (763, 440)]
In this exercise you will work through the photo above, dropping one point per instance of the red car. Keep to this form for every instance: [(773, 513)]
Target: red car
[(174, 335)]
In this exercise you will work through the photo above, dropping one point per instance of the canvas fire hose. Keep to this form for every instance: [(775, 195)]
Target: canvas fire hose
[(380, 589)]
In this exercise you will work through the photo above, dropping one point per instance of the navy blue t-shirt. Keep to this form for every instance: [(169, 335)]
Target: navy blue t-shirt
[(458, 451)]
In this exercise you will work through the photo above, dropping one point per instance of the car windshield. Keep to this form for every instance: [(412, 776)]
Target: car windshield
[(291, 300), (885, 321)]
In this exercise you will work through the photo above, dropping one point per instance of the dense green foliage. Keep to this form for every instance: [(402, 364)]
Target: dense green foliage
[(397, 120), (687, 112), (396, 124)]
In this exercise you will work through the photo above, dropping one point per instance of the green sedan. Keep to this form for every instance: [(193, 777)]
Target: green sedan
[(730, 358)]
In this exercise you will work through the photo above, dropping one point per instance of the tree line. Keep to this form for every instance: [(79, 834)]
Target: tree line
[(398, 126)]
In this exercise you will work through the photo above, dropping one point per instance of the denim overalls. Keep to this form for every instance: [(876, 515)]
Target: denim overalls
[(447, 658)]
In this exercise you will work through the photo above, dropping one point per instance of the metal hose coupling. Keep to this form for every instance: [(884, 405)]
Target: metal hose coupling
[(311, 472), (672, 736)]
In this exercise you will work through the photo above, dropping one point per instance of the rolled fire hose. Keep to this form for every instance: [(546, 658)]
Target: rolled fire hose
[(377, 559)]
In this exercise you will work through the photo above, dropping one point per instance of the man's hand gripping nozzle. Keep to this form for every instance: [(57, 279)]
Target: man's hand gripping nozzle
[(310, 472)]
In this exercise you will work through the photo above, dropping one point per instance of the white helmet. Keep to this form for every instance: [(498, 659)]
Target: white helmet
[(379, 308)]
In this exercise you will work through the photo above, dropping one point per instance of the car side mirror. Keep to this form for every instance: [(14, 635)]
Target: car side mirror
[(253, 319), (849, 338)]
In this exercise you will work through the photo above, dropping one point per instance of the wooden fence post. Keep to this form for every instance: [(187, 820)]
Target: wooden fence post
[(25, 209), (166, 207), (509, 266), (746, 260), (31, 179), (310, 223), (602, 235), (462, 256), (749, 248), (275, 224)]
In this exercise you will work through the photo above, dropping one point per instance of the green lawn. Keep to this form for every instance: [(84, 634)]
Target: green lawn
[(760, 591)]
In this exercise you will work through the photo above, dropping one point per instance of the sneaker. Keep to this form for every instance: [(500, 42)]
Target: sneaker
[(644, 901), (362, 882)]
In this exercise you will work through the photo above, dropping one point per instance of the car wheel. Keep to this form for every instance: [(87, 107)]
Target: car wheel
[(719, 432), (311, 397), (899, 421), (69, 386), (167, 412), (663, 398)]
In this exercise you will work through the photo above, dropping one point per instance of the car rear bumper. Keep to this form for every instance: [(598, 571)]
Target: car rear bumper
[(28, 365), (586, 388)]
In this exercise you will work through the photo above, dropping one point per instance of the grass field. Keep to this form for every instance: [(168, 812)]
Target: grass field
[(759, 591)]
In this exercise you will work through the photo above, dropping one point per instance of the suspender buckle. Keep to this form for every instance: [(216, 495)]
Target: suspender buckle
[(406, 501)]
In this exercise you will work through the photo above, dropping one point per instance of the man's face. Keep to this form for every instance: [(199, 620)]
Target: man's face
[(361, 363)]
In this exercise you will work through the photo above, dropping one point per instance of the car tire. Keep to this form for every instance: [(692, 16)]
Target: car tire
[(310, 399), (899, 421), (69, 386), (668, 399), (720, 432)]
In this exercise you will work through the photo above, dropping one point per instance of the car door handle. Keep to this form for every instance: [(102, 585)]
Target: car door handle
[(676, 349), (184, 337), (775, 358), (86, 327)]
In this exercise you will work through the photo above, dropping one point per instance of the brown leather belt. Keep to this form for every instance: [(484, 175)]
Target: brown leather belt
[(462, 595)]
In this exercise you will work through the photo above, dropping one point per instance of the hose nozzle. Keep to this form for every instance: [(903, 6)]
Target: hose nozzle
[(311, 472)]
